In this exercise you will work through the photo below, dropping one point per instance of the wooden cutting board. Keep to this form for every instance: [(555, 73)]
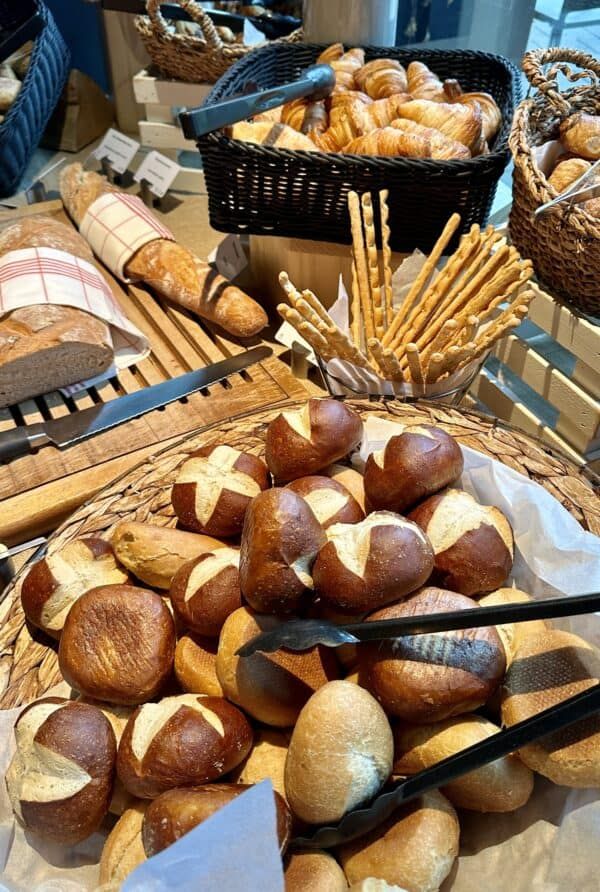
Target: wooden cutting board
[(39, 490)]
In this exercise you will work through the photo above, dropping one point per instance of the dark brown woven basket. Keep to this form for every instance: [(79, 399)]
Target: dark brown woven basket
[(564, 243), (185, 57)]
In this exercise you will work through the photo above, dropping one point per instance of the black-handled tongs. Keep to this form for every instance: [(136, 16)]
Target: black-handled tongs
[(317, 82), (302, 634), (582, 189)]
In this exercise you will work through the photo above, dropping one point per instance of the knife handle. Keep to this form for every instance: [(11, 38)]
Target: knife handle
[(21, 441)]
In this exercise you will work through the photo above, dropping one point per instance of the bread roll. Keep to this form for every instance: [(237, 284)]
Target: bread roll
[(580, 133), (266, 759), (352, 480), (60, 778), (473, 543), (9, 90), (500, 786), (118, 644), (511, 634), (55, 582), (314, 871), (414, 849), (566, 172), (550, 667), (274, 687), (123, 850), (427, 678), (206, 590), (340, 754), (196, 665), (118, 716), (371, 884), (154, 554), (183, 740), (413, 465), (303, 441), (328, 500), (214, 487)]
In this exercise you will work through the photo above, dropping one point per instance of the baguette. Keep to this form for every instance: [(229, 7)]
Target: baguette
[(169, 268), (44, 232)]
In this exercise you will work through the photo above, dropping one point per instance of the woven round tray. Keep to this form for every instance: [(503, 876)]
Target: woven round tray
[(28, 660)]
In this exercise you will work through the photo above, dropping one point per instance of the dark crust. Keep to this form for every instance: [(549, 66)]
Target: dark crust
[(208, 608), (414, 467), (351, 512)]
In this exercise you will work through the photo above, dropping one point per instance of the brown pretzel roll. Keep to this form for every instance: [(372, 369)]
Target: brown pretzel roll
[(328, 500), (280, 540), (414, 849), (548, 668), (206, 590), (178, 811), (196, 665), (56, 581), (118, 644), (340, 754), (118, 716), (214, 487), (351, 479), (366, 565), (182, 740), (123, 850), (266, 759), (413, 465), (60, 778), (473, 543), (273, 687), (427, 678), (512, 634), (314, 871), (500, 786), (304, 441)]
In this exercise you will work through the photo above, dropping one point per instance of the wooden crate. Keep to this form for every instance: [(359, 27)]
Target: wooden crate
[(39, 490)]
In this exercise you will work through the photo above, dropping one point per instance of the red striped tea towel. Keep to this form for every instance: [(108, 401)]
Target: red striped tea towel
[(117, 225)]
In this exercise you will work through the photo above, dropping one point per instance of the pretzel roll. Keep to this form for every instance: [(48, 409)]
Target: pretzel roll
[(550, 667), (196, 665), (178, 811), (123, 850), (206, 590), (473, 543), (314, 871), (183, 740), (60, 778), (500, 786), (413, 465), (56, 581), (427, 678), (214, 487), (273, 687), (328, 500), (366, 565), (118, 716), (352, 480), (118, 644), (265, 760), (512, 634), (304, 441), (280, 540)]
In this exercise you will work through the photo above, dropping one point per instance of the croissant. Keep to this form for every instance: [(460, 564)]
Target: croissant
[(460, 122), (331, 54), (272, 114), (391, 141), (356, 119), (580, 133), (264, 133), (566, 172), (304, 115), (345, 68), (490, 113), (441, 147), (381, 77), (337, 100), (423, 83)]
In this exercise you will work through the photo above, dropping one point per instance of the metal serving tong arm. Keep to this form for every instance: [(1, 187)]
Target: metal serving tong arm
[(582, 189), (555, 718), (317, 81), (302, 634)]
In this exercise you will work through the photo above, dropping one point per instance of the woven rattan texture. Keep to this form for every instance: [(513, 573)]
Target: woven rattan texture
[(564, 244), (28, 665), (22, 128), (272, 191)]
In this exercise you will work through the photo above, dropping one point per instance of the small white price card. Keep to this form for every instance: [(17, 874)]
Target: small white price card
[(118, 149), (158, 171), (229, 257)]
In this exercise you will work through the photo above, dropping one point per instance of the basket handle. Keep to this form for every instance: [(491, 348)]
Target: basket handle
[(195, 12), (533, 63)]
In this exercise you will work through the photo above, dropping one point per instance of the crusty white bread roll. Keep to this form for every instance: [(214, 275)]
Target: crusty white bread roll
[(414, 849), (340, 754), (123, 850), (548, 668), (196, 665), (266, 759), (511, 634), (314, 871), (503, 785)]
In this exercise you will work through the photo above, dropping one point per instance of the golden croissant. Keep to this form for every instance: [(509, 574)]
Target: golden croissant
[(331, 54), (423, 83), (441, 147), (272, 114), (566, 172), (356, 119), (491, 117), (580, 134), (305, 115), (391, 141), (381, 77), (263, 133), (345, 68), (460, 122)]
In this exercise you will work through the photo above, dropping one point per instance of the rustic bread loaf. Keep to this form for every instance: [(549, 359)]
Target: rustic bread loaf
[(41, 231)]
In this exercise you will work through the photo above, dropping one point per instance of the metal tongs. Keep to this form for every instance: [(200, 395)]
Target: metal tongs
[(584, 188)]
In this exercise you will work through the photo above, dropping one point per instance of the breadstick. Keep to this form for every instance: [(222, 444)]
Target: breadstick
[(376, 351), (482, 345), (294, 295), (395, 369), (362, 276), (387, 362), (426, 271), (470, 329), (435, 367), (511, 294), (373, 264), (314, 338), (416, 369), (387, 256), (446, 333), (356, 326), (340, 343)]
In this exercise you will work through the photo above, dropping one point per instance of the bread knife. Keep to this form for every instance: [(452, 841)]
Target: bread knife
[(71, 429)]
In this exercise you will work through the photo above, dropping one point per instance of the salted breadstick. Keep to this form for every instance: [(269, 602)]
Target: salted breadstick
[(416, 369), (435, 367), (362, 275), (314, 338), (355, 308), (387, 256), (373, 264)]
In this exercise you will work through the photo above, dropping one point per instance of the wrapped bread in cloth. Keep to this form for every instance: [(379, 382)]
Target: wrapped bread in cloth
[(153, 257)]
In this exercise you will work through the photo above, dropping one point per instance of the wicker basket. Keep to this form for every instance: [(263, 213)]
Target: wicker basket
[(28, 660), (184, 57), (269, 191), (564, 243), (22, 128)]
